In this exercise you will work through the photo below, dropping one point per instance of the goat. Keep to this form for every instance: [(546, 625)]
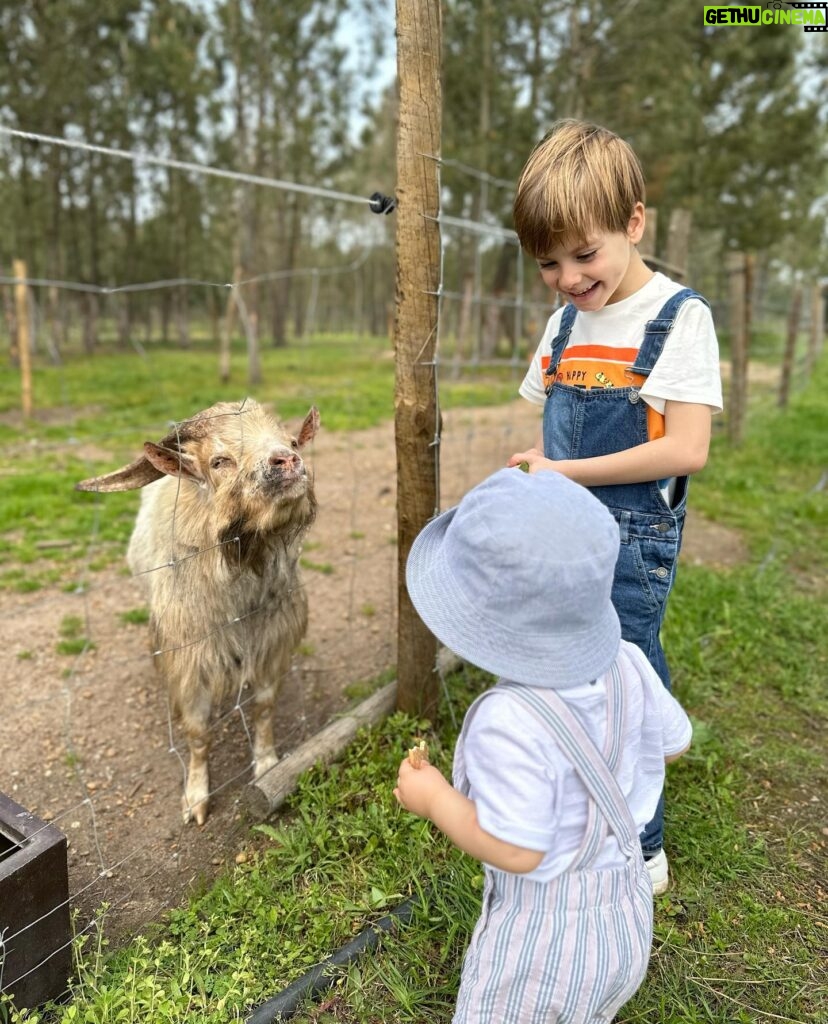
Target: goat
[(216, 544)]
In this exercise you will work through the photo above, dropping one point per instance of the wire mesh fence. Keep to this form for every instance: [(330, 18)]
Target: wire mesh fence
[(90, 739)]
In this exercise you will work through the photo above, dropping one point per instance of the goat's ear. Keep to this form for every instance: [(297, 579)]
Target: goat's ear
[(171, 463), (307, 431), (128, 478)]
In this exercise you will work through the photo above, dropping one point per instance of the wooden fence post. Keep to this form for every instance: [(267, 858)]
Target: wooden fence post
[(789, 354), (417, 426), (21, 301), (737, 397)]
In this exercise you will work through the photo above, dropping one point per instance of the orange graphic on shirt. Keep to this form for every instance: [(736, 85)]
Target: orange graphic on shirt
[(601, 366)]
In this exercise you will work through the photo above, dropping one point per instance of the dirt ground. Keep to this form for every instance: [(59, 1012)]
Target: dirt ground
[(87, 742)]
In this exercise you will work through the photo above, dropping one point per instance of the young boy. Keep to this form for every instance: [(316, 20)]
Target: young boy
[(559, 765), (627, 372)]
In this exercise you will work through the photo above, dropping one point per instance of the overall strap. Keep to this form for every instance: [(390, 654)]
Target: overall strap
[(596, 829), (584, 755), (560, 341), (657, 330)]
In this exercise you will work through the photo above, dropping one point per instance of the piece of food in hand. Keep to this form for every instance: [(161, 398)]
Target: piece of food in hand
[(418, 754), (524, 466)]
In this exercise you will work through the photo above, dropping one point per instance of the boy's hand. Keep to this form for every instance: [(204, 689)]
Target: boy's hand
[(417, 788)]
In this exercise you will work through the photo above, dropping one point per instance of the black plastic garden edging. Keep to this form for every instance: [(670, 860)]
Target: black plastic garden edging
[(321, 977)]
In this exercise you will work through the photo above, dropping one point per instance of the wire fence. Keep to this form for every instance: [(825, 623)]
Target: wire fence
[(92, 745)]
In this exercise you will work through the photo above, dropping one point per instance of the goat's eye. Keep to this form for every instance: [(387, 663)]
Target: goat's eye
[(221, 462), (294, 444)]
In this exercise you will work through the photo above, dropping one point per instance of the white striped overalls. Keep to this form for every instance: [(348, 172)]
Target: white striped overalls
[(572, 950)]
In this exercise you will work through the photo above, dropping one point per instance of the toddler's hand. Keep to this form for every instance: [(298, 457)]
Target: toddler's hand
[(417, 787), (530, 461)]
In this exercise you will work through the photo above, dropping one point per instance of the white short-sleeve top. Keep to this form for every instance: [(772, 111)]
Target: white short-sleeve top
[(527, 792)]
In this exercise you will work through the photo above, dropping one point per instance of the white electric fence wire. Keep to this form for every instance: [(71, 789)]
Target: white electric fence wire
[(184, 165), (473, 172)]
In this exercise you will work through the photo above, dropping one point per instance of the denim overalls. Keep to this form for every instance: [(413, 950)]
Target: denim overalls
[(580, 424)]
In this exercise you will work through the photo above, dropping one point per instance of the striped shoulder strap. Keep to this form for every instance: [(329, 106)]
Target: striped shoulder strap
[(584, 755)]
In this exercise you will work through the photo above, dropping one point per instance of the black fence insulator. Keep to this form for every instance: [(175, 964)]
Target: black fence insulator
[(382, 204)]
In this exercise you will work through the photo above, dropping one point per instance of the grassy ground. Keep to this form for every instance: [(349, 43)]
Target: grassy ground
[(742, 937)]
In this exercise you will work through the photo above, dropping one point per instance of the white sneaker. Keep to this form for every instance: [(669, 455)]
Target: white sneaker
[(659, 875)]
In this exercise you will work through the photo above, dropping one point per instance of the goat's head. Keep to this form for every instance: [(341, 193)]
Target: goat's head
[(245, 464)]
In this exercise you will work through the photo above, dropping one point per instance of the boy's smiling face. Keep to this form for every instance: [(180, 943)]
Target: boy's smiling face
[(603, 268)]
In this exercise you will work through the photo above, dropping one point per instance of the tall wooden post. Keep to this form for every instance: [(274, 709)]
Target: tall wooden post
[(417, 426), (737, 398), (21, 302)]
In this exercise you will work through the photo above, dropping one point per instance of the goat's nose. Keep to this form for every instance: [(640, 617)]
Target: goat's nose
[(284, 460)]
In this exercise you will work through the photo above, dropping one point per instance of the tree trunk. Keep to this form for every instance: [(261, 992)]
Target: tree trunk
[(789, 354), (737, 398), (54, 243), (281, 287), (678, 243), (182, 317), (419, 46), (817, 332), (494, 313), (226, 336), (166, 312), (254, 362), (463, 321), (7, 299), (648, 243), (55, 333), (90, 322), (298, 299), (123, 319)]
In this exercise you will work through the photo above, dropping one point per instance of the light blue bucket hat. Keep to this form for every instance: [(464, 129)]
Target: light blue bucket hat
[(517, 578)]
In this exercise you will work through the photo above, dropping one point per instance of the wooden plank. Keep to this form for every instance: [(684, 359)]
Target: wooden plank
[(267, 794)]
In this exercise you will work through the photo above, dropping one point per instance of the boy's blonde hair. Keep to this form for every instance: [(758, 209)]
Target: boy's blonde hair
[(579, 178)]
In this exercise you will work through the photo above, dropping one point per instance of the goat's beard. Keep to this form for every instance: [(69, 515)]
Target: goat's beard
[(264, 524)]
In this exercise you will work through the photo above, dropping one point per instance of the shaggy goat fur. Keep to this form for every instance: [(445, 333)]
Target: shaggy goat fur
[(216, 544)]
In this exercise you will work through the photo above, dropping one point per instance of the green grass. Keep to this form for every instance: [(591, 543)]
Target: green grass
[(135, 616), (73, 639), (741, 937), (325, 568)]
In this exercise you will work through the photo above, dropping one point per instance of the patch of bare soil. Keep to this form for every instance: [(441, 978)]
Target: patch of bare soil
[(87, 741)]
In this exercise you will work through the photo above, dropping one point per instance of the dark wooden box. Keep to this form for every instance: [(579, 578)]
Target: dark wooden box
[(35, 933)]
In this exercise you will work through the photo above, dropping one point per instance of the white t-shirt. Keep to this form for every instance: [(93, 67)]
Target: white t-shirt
[(527, 791), (687, 369)]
